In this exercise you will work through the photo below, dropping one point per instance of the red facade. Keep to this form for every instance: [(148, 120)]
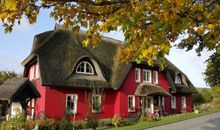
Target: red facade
[(53, 99)]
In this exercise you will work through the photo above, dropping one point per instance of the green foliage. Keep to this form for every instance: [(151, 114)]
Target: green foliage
[(216, 91), (207, 95), (29, 124), (81, 124), (46, 124), (15, 123), (4, 75), (212, 72), (105, 122), (116, 120), (91, 121), (149, 26), (64, 124)]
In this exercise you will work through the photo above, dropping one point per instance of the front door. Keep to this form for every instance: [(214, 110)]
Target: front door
[(150, 104)]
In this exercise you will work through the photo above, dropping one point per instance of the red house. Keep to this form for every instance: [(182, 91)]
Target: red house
[(70, 76)]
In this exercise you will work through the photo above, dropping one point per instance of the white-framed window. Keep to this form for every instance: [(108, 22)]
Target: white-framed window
[(71, 102), (173, 102), (137, 74), (96, 103), (31, 75), (84, 67), (147, 75), (155, 77), (37, 71), (131, 103), (183, 100), (178, 79)]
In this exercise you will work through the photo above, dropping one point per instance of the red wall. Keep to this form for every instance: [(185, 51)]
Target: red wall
[(53, 100)]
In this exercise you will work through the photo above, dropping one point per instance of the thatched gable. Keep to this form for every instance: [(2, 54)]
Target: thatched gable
[(16, 89), (59, 51)]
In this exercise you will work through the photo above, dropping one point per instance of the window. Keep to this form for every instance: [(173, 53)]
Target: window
[(173, 102), (183, 98), (37, 71), (137, 75), (71, 102), (131, 103), (155, 77), (177, 79), (96, 103), (147, 76), (31, 75), (84, 67)]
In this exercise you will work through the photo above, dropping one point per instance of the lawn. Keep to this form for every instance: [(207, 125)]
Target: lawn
[(166, 120)]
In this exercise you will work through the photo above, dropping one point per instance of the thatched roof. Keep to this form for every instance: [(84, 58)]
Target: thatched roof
[(145, 89), (59, 51), (16, 89), (171, 71)]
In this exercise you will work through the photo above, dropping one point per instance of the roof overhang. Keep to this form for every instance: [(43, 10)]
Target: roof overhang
[(145, 89)]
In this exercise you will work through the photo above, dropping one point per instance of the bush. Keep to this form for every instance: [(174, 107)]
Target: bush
[(127, 121), (46, 124), (64, 124), (207, 95), (29, 125), (91, 122), (105, 122), (216, 91), (80, 124), (151, 117), (116, 120), (5, 125)]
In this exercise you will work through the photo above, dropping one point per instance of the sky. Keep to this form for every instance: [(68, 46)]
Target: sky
[(16, 46)]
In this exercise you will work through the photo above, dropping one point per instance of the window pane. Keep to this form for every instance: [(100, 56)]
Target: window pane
[(137, 75)]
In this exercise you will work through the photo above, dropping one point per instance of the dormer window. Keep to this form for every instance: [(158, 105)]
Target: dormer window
[(178, 79), (84, 67)]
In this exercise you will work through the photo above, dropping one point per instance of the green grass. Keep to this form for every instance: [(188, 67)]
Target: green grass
[(166, 120)]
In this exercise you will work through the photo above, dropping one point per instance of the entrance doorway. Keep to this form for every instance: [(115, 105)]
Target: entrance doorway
[(146, 104)]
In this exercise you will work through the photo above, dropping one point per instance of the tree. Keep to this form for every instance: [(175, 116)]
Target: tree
[(4, 75), (212, 72), (149, 26)]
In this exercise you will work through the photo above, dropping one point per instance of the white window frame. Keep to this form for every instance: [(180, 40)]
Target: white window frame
[(31, 74), (99, 99), (155, 77), (133, 103), (137, 75), (37, 71), (148, 79), (75, 101), (183, 101), (173, 102), (178, 79), (84, 71)]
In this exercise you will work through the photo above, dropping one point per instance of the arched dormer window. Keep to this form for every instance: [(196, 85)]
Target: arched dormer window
[(178, 79), (84, 67)]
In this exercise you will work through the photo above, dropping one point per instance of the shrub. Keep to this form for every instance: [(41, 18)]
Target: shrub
[(116, 120), (151, 117), (29, 125), (80, 124), (207, 95), (216, 91), (91, 122), (105, 122), (64, 124), (5, 125), (127, 121), (46, 124)]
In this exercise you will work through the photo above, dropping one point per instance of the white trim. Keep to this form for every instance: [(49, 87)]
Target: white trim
[(137, 75), (148, 75), (84, 69), (173, 102), (31, 73), (74, 98), (155, 77), (178, 79), (37, 71), (183, 101), (133, 103), (99, 98)]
